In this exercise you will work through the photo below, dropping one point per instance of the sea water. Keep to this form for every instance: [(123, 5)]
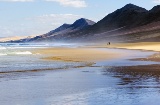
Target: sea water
[(18, 57)]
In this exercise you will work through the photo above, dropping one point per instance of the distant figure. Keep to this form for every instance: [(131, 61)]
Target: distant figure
[(108, 43)]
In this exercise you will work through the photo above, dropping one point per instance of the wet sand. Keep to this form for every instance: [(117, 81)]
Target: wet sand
[(155, 57), (103, 85), (78, 54)]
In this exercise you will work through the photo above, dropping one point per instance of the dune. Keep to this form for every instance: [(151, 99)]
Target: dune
[(14, 38), (10, 38)]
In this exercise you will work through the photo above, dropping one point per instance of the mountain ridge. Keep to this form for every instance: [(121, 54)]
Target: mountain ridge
[(128, 19)]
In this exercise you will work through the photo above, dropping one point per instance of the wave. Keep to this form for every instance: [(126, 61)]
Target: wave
[(23, 53), (2, 48), (29, 47), (16, 53), (37, 45), (2, 54)]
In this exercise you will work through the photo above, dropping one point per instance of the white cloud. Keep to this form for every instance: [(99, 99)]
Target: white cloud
[(48, 22), (52, 21), (45, 23), (71, 3), (37, 25), (56, 19), (156, 1), (17, 0)]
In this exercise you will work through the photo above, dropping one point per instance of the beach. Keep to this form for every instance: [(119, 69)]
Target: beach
[(148, 46), (78, 54), (86, 75)]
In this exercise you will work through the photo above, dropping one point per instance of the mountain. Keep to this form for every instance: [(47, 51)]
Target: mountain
[(82, 23), (61, 28), (63, 31), (129, 23), (128, 16), (77, 25)]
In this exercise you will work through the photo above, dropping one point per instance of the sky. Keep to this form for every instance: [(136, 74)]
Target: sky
[(36, 17)]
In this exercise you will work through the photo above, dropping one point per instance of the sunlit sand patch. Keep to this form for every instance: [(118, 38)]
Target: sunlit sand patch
[(77, 54), (149, 46)]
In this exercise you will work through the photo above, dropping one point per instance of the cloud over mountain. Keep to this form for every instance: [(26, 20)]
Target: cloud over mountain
[(71, 3), (156, 1), (17, 0)]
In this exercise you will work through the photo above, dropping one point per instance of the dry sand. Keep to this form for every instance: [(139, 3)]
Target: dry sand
[(144, 46), (93, 53), (149, 46), (77, 54)]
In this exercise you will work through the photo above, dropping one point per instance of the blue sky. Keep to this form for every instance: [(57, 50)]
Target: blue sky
[(35, 17)]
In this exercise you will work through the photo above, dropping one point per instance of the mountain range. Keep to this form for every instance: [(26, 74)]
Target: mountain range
[(128, 24)]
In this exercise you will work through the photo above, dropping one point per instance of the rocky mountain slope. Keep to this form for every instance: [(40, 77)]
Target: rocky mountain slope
[(129, 23)]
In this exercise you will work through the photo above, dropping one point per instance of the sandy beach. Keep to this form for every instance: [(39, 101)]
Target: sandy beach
[(78, 54), (148, 46), (97, 53), (145, 46)]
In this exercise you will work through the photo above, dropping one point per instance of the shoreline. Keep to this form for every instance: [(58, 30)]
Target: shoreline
[(96, 53), (82, 83), (90, 55)]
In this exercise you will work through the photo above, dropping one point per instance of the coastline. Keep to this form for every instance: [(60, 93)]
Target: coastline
[(78, 84), (90, 55)]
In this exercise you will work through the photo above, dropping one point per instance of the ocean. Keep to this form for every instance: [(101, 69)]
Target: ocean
[(18, 57)]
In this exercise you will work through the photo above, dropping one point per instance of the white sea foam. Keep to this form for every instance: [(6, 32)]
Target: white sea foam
[(23, 53), (16, 53), (2, 48), (24, 47), (2, 54)]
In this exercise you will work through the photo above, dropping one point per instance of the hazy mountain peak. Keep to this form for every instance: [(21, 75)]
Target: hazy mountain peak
[(61, 28), (65, 24), (83, 20), (82, 23)]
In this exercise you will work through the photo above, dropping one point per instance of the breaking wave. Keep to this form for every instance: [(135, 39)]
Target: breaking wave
[(2, 48), (16, 53)]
